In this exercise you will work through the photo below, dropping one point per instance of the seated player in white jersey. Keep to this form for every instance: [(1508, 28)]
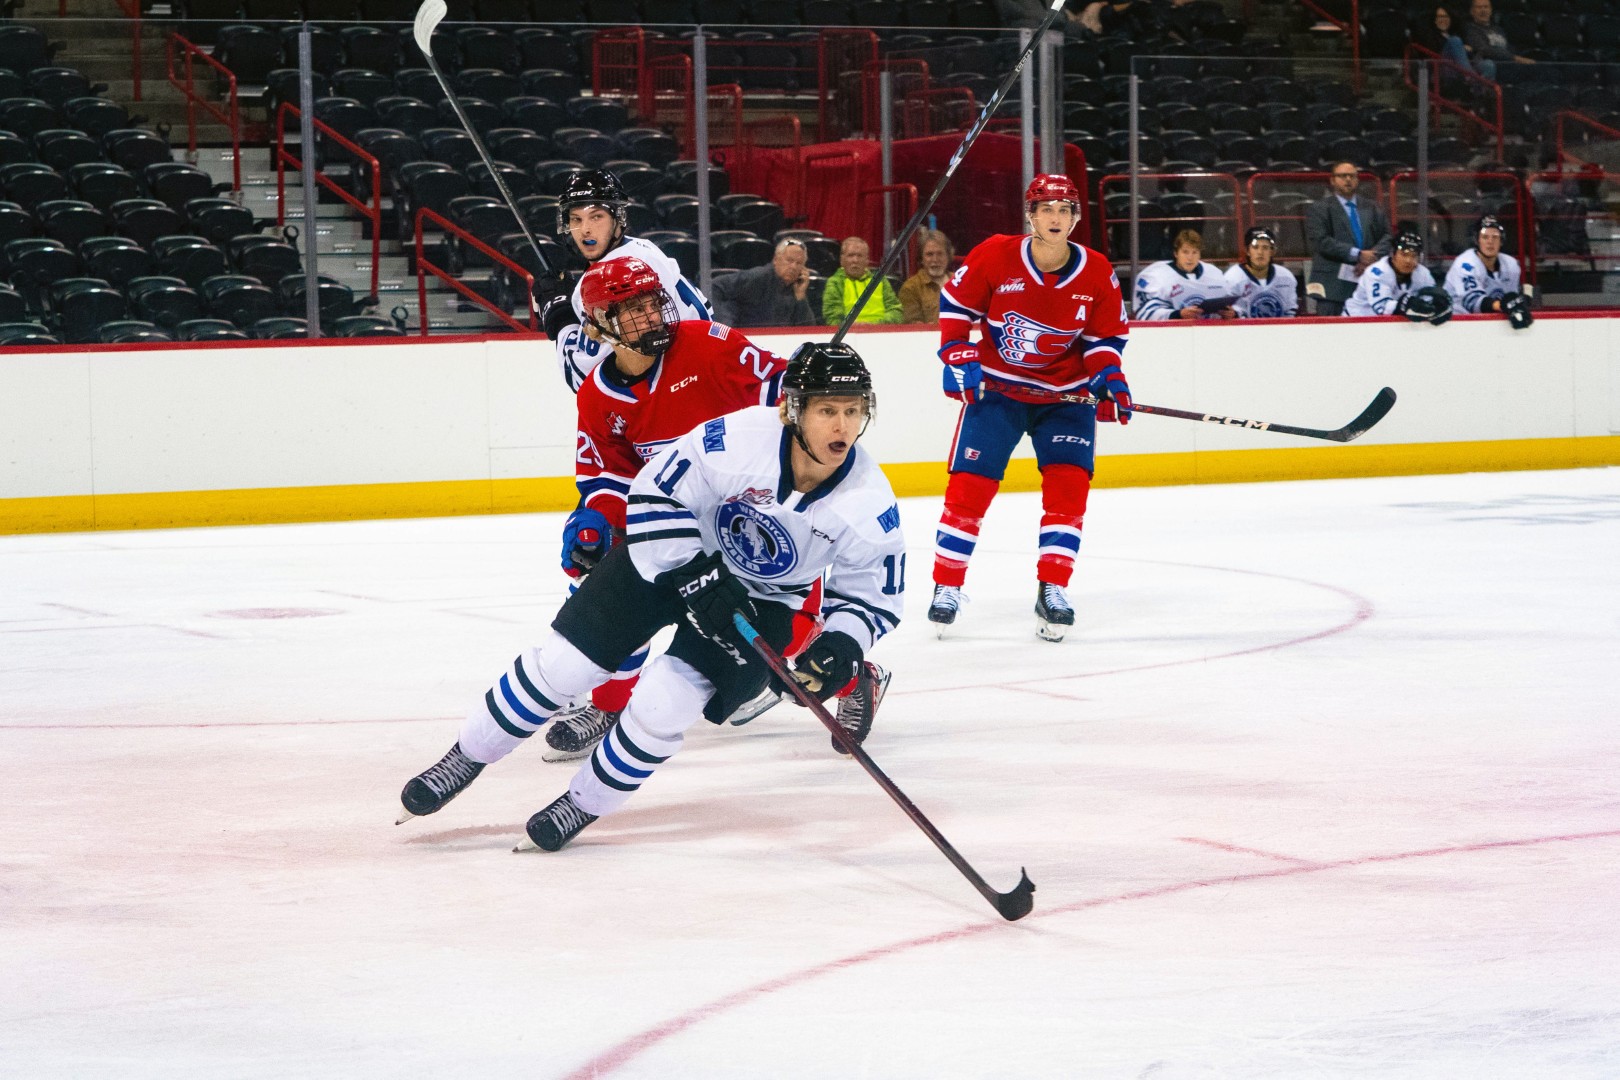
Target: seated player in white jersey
[(741, 516), (591, 213), (1485, 279), (1175, 287), (1387, 285), (665, 376), (1264, 289)]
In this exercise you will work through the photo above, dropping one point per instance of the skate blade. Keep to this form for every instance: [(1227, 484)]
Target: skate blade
[(1051, 631), (406, 816), (551, 753), (525, 845)]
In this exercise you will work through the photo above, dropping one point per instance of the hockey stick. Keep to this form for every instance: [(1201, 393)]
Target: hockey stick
[(428, 16), (968, 140), (1013, 905), (1375, 411)]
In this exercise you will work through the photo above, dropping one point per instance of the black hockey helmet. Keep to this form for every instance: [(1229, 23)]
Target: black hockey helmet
[(1430, 304), (821, 369), (1260, 232), (593, 187), (1409, 240)]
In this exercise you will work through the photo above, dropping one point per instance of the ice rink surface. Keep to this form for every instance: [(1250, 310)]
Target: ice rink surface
[(1325, 784)]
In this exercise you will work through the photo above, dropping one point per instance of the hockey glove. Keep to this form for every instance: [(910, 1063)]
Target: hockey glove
[(1516, 306), (557, 315), (586, 538), (713, 595), (827, 664), (963, 376), (1113, 391)]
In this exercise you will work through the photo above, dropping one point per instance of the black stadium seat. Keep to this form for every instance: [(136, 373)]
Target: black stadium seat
[(484, 47), (451, 145), (63, 148), (165, 300), (362, 85), (264, 257), (12, 306), (540, 115), (71, 221), (125, 331), (101, 184), (208, 330), (176, 183), (14, 149), (372, 48), (24, 49), (15, 223), (26, 333), (278, 328), (28, 183), (238, 299), (135, 148), (28, 116), (116, 259), (362, 326), (219, 219), (82, 305), (144, 220), (192, 259)]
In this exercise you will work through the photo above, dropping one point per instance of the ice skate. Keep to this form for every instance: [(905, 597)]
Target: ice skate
[(428, 792), (574, 733), (1054, 612), (554, 826), (754, 706), (858, 709), (947, 601)]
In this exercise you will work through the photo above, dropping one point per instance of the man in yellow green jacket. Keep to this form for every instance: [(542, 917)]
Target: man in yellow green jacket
[(846, 286)]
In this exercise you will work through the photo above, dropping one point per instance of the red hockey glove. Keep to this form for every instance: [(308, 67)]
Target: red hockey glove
[(963, 377), (1111, 381)]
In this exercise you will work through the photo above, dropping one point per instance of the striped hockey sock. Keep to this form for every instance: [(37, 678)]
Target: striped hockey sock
[(1064, 489), (620, 764), (537, 684), (967, 497)]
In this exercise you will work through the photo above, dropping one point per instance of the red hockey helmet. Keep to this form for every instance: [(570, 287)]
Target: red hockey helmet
[(1052, 187), (606, 290)]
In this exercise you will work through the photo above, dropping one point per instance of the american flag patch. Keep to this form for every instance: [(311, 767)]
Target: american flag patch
[(719, 330)]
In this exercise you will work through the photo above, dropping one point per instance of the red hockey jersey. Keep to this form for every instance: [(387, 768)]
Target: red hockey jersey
[(709, 370), (1052, 331)]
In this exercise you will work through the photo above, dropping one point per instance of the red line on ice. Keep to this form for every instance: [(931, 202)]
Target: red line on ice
[(628, 1050)]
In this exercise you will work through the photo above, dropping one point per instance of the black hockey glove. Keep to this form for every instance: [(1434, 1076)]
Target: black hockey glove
[(827, 664), (556, 313), (1516, 306), (713, 595)]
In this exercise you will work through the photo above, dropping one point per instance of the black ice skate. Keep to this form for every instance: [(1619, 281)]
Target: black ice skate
[(428, 792), (857, 710), (1053, 610), (947, 601), (573, 734), (554, 826)]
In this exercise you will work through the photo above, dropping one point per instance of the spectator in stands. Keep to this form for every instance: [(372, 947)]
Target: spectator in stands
[(770, 295), (919, 293), (1436, 35), (1487, 45), (849, 281), (1184, 287), (1263, 290), (1345, 235), (1031, 13)]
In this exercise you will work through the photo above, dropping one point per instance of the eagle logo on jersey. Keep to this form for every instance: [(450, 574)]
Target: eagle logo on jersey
[(1023, 341), (755, 542)]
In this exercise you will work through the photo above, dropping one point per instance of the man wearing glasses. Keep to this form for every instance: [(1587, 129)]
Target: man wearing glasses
[(1346, 234), (776, 294)]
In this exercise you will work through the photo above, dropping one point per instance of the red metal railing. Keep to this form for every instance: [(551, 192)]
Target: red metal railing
[(908, 207), (1573, 117), (132, 11), (1523, 207), (424, 268), (232, 119), (1318, 183), (1224, 180), (748, 168), (1350, 28), (1440, 65), (840, 51), (954, 106), (906, 77), (283, 159)]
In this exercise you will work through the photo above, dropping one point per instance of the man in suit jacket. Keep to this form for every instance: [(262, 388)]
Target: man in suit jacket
[(1343, 231)]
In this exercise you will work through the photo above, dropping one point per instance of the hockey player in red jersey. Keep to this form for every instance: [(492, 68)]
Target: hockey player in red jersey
[(1051, 319), (664, 377)]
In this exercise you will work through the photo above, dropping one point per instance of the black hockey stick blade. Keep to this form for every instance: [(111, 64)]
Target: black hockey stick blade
[(1013, 905), (1375, 411)]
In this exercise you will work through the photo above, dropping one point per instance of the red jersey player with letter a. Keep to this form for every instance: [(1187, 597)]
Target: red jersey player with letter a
[(1051, 320)]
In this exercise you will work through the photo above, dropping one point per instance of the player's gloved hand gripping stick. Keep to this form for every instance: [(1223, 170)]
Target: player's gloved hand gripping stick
[(1012, 905)]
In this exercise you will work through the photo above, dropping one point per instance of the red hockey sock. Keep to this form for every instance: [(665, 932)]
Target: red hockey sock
[(967, 497), (1064, 489), (614, 695)]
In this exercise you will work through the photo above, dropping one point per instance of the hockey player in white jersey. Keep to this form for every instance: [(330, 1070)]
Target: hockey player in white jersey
[(1173, 288), (1389, 281), (1485, 279), (591, 212), (741, 515), (1264, 290)]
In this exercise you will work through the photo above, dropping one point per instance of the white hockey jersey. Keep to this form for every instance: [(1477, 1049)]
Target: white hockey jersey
[(1162, 289), (578, 355), (1380, 289), (1277, 297), (727, 486), (1471, 283)]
